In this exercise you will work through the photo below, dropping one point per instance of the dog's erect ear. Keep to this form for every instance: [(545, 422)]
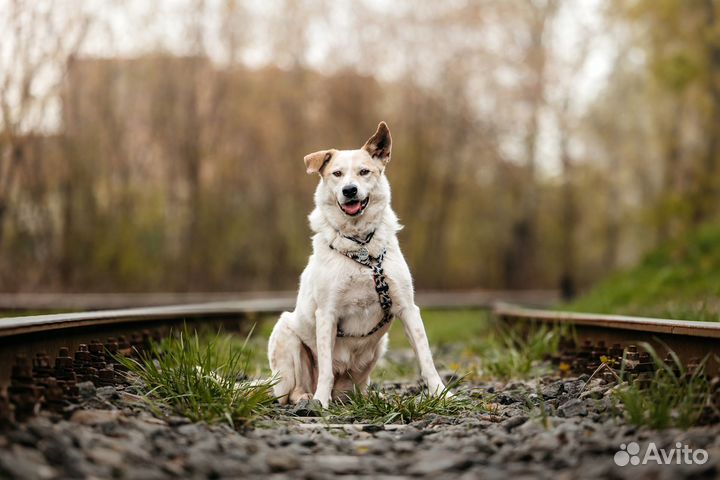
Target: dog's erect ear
[(380, 143), (315, 162)]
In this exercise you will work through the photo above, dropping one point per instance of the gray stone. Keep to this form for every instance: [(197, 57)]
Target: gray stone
[(23, 437), (105, 456), (87, 389), (176, 421), (510, 398), (207, 445), (176, 467), (482, 445), (146, 472), (95, 417), (513, 422), (192, 430), (572, 387), (438, 462), (337, 464), (544, 442), (572, 408), (471, 422), (41, 427), (373, 428), (229, 468), (301, 440), (531, 427), (412, 434), (282, 461), (106, 393), (200, 462), (552, 390), (404, 446), (307, 408), (21, 462), (148, 426), (58, 450), (381, 447)]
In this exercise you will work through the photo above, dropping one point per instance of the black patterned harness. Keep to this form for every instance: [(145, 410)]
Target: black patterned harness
[(362, 257)]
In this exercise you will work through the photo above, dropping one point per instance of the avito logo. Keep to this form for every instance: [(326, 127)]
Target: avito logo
[(680, 455)]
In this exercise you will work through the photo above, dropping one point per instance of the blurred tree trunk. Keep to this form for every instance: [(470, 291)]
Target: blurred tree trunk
[(41, 40), (521, 261), (568, 280), (436, 254), (66, 257), (671, 169), (191, 148), (10, 161), (612, 217), (420, 149), (457, 128), (191, 157), (706, 199), (276, 233)]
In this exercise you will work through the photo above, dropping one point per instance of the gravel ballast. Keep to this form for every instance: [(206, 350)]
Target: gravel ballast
[(551, 428)]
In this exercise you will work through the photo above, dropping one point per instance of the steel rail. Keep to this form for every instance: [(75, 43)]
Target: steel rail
[(692, 341), (618, 322), (65, 321)]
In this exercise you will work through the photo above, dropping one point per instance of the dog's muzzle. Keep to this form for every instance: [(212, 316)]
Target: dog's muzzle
[(354, 207)]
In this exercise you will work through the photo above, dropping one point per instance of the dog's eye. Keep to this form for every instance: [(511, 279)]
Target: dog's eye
[(364, 172), (337, 173)]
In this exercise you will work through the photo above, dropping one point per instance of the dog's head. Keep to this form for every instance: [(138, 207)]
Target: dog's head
[(353, 182)]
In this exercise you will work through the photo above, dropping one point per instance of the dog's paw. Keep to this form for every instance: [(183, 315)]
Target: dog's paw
[(304, 397), (324, 401), (438, 389)]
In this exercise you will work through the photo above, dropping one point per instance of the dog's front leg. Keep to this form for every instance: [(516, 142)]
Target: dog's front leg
[(415, 332), (325, 332)]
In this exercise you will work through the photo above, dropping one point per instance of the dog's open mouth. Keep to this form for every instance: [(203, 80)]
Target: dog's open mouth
[(354, 207)]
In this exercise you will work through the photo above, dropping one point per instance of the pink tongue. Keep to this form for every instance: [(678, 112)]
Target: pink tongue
[(352, 209)]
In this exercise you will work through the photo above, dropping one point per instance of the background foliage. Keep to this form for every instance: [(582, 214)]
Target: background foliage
[(159, 146)]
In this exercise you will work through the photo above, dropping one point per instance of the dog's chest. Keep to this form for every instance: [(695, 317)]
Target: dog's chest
[(359, 308)]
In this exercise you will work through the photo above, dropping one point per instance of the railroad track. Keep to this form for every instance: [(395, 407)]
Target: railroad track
[(610, 336), (45, 356), (33, 345)]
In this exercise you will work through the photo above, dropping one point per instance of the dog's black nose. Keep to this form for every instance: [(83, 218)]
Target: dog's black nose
[(349, 191)]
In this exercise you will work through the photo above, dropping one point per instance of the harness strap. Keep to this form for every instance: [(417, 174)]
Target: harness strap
[(367, 239), (381, 287)]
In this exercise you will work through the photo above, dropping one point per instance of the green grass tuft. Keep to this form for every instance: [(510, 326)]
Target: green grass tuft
[(513, 353), (674, 398), (202, 378), (380, 407)]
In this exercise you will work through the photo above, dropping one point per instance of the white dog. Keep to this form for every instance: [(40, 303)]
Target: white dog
[(355, 283)]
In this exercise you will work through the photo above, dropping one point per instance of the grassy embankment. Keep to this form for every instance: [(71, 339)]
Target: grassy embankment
[(681, 281)]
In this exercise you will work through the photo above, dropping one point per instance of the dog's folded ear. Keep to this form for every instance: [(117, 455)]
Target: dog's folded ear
[(316, 161), (380, 144)]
